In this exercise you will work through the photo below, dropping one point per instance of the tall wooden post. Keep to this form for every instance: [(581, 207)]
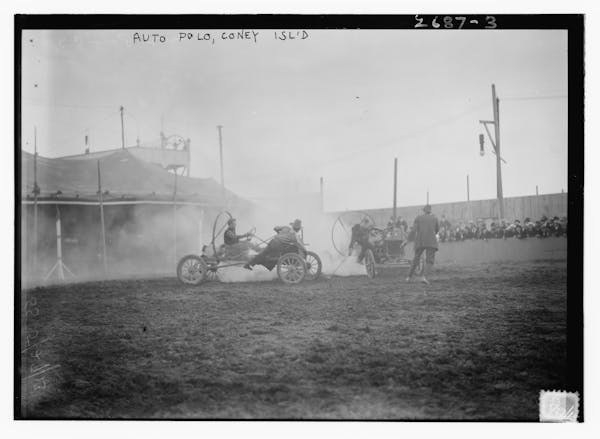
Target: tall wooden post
[(468, 199), (102, 226), (395, 187), (36, 191), (536, 203), (496, 107), (175, 219), (496, 145), (59, 267), (122, 128), (468, 191), (219, 128)]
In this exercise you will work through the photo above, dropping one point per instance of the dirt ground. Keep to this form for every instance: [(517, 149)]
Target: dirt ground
[(478, 343)]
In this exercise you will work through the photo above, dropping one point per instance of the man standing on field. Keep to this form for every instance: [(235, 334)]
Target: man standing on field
[(425, 228)]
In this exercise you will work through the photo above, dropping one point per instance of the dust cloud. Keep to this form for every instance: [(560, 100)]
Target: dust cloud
[(145, 241)]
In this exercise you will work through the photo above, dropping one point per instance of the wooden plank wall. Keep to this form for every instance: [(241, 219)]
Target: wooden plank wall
[(532, 206)]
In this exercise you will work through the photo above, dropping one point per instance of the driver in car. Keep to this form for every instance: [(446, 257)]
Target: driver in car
[(233, 246)]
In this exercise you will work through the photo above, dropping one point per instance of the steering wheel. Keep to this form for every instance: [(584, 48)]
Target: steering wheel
[(341, 230), (250, 233)]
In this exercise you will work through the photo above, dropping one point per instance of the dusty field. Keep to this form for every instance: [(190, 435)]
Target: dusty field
[(478, 343)]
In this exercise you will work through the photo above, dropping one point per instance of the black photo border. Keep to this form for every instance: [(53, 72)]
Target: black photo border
[(573, 23)]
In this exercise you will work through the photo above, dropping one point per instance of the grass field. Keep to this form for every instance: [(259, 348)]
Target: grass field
[(478, 343)]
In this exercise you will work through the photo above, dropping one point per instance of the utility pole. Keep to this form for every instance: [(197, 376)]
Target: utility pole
[(102, 226), (219, 128), (495, 141), (175, 218), (537, 201), (395, 185), (468, 199), (36, 192), (496, 103), (188, 145), (60, 268), (468, 192), (34, 159), (122, 128)]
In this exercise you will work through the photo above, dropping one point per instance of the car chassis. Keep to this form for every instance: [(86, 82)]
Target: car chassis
[(293, 264)]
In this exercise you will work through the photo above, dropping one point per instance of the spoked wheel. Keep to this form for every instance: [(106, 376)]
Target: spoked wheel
[(192, 270), (291, 268), (370, 263), (313, 266), (341, 231)]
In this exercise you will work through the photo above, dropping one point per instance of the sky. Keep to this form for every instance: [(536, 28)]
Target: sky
[(337, 104)]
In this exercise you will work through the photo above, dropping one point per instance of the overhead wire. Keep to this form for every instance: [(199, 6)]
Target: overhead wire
[(412, 134), (426, 128), (532, 98)]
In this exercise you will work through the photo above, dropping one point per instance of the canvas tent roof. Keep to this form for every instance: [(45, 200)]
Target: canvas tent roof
[(123, 176)]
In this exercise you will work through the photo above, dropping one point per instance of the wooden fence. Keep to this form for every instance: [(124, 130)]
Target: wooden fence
[(533, 206)]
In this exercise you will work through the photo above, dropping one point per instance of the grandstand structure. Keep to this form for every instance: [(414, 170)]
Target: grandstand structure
[(119, 211), (171, 153)]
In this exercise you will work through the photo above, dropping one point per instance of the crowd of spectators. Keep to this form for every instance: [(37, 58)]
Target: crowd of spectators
[(480, 229)]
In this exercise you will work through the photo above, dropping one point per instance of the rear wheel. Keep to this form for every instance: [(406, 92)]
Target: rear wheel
[(291, 268), (313, 266), (192, 270), (370, 263)]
